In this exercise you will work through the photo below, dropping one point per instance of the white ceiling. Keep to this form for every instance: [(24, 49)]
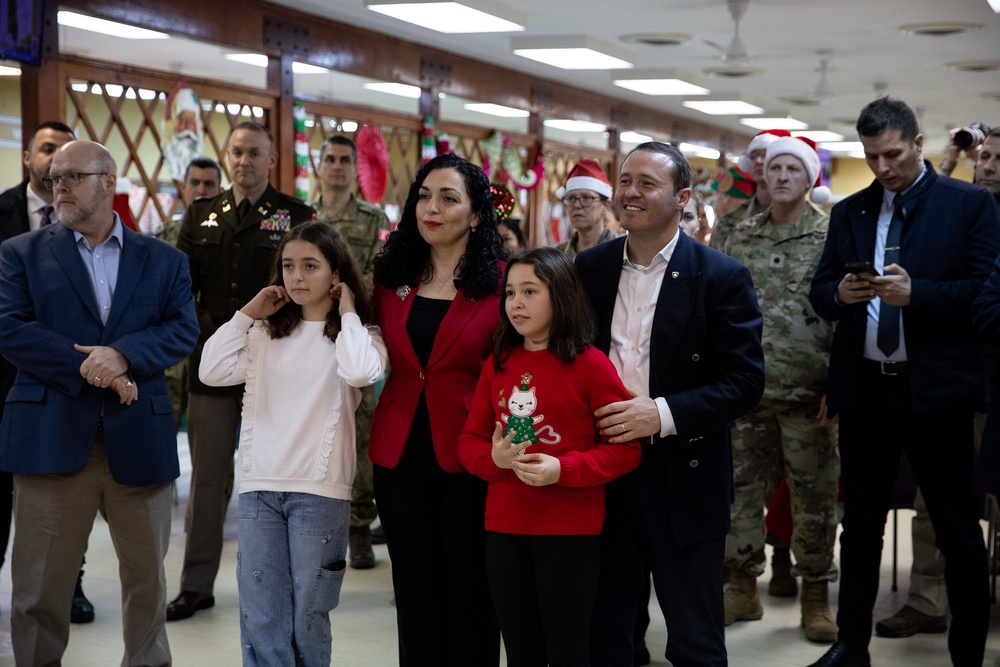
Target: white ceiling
[(870, 53)]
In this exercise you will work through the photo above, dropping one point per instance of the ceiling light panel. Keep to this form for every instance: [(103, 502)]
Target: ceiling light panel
[(731, 107), (568, 125), (659, 82), (572, 52), (468, 16), (497, 110), (774, 123), (400, 89)]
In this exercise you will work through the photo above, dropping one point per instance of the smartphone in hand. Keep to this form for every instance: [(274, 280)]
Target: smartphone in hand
[(861, 268)]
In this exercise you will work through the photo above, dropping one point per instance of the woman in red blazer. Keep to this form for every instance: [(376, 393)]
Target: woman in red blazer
[(437, 291)]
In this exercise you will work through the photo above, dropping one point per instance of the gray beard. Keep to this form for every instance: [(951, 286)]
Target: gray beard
[(178, 151)]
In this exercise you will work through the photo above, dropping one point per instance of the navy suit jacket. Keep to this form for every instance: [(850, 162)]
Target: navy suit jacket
[(705, 360), (13, 221), (46, 305), (950, 238)]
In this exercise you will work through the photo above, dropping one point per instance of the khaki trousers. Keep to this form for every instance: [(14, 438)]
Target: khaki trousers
[(53, 517)]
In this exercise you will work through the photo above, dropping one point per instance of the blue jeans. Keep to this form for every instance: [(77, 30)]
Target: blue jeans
[(289, 569)]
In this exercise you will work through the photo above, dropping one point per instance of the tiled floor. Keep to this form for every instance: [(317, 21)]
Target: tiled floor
[(364, 624)]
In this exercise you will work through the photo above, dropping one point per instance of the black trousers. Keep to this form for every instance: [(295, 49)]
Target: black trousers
[(433, 523), (543, 589), (688, 578), (939, 446)]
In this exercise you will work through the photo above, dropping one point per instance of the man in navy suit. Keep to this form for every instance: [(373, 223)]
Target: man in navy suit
[(681, 324), (91, 314), (902, 264)]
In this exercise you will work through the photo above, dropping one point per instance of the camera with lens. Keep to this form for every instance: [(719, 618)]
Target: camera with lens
[(973, 135)]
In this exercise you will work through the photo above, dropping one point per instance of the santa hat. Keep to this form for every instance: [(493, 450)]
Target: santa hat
[(760, 142), (805, 150), (587, 175)]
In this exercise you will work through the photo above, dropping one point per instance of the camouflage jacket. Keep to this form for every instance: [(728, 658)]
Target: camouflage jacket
[(364, 226), (725, 225), (782, 260)]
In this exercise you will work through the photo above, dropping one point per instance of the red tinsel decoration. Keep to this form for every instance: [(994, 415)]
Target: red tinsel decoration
[(373, 162)]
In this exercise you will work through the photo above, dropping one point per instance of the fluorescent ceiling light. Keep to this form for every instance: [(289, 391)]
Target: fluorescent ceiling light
[(630, 137), (843, 147), (497, 110), (261, 60), (819, 136), (74, 20), (661, 86), (453, 17), (401, 89), (664, 81), (774, 123), (699, 151), (732, 107), (9, 71), (571, 52), (995, 4), (349, 126), (574, 125)]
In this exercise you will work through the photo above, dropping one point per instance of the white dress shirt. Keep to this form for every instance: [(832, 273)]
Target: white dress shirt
[(632, 323)]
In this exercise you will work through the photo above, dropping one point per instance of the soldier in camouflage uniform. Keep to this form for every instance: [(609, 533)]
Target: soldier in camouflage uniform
[(365, 226), (202, 178), (752, 162), (782, 248)]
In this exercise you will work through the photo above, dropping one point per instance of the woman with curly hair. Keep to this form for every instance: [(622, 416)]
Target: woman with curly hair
[(437, 295)]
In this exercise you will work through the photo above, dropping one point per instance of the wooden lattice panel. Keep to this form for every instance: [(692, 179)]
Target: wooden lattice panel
[(124, 111)]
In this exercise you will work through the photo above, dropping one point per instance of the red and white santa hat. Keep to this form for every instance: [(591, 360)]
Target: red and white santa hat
[(760, 142), (587, 175), (805, 150)]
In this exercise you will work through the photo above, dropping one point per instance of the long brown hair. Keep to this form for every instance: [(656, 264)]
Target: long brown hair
[(338, 254), (573, 325)]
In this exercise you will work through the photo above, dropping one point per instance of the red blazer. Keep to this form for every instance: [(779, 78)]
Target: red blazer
[(462, 345)]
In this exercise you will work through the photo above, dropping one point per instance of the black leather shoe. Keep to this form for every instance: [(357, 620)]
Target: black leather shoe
[(83, 611), (842, 655), (187, 603)]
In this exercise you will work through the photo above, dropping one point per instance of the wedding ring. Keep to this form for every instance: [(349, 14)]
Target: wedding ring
[(623, 428), (128, 383), (97, 378)]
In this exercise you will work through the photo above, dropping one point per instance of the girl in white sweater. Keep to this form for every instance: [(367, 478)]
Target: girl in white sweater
[(303, 346)]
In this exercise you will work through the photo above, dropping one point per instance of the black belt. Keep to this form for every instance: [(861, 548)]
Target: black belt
[(648, 440), (887, 367)]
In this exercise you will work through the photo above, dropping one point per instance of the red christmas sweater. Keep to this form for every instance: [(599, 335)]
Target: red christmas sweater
[(550, 402)]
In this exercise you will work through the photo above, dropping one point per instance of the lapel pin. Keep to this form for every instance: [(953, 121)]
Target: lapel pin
[(674, 275)]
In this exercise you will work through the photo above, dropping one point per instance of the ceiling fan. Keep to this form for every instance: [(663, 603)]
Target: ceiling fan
[(735, 57), (823, 92)]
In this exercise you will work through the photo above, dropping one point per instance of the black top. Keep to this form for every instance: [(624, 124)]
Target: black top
[(423, 323)]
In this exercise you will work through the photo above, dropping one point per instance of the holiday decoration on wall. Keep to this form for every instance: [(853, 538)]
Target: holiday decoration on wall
[(301, 152), (503, 163), (428, 145), (503, 200), (373, 162), (182, 132)]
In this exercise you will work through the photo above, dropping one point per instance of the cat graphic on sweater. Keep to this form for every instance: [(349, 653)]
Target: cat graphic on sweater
[(521, 405)]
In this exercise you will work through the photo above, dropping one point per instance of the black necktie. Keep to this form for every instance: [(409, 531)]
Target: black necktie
[(888, 316), (46, 216), (243, 210)]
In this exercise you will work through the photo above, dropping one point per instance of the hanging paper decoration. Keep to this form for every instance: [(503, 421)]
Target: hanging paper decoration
[(443, 144), (526, 179), (428, 146), (373, 162), (492, 147), (503, 200), (301, 151)]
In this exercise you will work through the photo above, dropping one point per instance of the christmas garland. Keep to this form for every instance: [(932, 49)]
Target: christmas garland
[(301, 151)]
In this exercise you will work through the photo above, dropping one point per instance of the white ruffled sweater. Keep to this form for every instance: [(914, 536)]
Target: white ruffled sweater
[(301, 392)]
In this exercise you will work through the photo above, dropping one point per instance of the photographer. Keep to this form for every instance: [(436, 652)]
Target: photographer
[(968, 139), (988, 164)]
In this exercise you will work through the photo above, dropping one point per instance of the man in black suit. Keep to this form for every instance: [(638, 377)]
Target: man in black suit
[(681, 324), (24, 208), (906, 369)]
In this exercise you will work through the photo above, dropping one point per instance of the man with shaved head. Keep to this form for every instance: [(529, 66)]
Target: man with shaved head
[(91, 314)]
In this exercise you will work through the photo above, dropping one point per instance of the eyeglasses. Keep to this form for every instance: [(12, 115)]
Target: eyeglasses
[(583, 200), (72, 179)]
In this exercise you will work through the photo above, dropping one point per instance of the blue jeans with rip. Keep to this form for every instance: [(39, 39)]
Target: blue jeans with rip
[(290, 568)]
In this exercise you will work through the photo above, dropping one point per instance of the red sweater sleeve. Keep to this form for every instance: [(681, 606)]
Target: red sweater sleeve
[(475, 446), (606, 461)]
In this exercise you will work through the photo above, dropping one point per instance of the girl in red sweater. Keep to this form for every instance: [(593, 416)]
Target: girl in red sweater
[(532, 435)]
